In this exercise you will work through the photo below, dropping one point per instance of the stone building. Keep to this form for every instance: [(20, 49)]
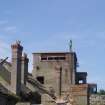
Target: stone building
[(16, 83), (58, 72), (54, 77)]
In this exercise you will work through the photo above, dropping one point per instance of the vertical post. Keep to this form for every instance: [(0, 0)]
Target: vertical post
[(60, 81), (24, 69), (70, 46), (16, 68)]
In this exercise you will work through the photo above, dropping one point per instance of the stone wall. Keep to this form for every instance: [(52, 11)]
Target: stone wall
[(80, 94), (97, 99)]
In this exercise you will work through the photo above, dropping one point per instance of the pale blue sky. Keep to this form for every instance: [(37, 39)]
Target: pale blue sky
[(48, 25)]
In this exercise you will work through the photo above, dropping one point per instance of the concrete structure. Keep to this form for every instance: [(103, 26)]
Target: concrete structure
[(16, 68), (18, 83), (58, 72), (54, 79)]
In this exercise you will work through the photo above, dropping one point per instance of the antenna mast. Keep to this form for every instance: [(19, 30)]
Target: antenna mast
[(70, 46)]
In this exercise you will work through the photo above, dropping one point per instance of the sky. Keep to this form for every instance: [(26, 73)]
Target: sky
[(48, 25)]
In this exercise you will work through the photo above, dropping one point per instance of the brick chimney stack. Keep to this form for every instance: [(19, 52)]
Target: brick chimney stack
[(24, 69), (16, 67)]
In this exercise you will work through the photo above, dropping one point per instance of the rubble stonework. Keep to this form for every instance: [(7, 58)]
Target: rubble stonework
[(96, 99)]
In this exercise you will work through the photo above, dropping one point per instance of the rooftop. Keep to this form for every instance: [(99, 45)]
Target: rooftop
[(53, 52)]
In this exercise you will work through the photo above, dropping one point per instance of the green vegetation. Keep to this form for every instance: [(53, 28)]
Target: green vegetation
[(101, 92)]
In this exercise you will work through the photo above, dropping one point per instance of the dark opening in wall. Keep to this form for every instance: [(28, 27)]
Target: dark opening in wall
[(40, 79), (52, 58), (43, 58)]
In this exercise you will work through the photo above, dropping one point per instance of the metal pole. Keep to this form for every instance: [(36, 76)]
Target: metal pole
[(2, 62)]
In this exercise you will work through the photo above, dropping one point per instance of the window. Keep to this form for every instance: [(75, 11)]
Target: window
[(43, 58), (40, 79), (62, 58), (52, 58)]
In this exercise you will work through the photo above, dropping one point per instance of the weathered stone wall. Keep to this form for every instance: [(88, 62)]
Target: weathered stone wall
[(49, 70), (80, 94), (97, 99)]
